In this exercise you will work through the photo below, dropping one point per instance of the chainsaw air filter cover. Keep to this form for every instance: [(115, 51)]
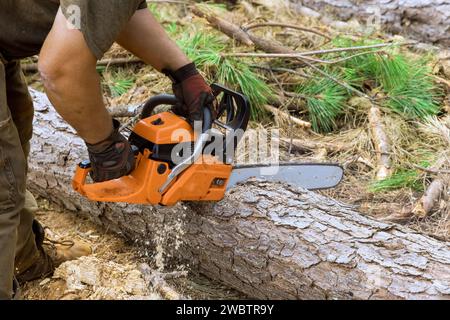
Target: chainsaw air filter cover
[(160, 134)]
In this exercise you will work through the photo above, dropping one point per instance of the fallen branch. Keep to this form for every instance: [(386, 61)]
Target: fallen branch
[(295, 54), (235, 32), (434, 191), (159, 284), (381, 142), (125, 111), (431, 170), (276, 48), (430, 198), (285, 25), (312, 145), (33, 67), (288, 117), (226, 27)]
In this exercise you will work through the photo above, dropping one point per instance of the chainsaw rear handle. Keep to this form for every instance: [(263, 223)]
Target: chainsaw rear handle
[(171, 100)]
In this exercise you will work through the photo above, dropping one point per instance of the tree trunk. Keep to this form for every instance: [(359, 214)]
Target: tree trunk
[(265, 240), (424, 20)]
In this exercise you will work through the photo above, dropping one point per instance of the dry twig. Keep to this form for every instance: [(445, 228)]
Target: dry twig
[(278, 112), (285, 25), (33, 67), (381, 142)]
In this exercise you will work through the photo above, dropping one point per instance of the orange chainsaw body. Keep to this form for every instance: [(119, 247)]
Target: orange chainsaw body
[(157, 178), (204, 180)]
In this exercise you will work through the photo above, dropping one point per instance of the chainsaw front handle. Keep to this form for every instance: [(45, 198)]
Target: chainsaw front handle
[(159, 100)]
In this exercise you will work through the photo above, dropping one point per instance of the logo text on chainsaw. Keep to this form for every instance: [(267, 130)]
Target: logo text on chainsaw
[(238, 147)]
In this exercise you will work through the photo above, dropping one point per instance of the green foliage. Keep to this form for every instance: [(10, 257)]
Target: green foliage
[(401, 179), (100, 69), (406, 82), (172, 28), (417, 97), (155, 10), (325, 102), (201, 47), (389, 70), (119, 86), (205, 50), (231, 71)]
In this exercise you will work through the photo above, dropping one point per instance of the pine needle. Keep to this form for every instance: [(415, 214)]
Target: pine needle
[(401, 179), (405, 81), (325, 102), (119, 83), (416, 97)]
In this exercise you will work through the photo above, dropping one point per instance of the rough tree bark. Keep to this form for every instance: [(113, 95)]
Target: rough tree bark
[(424, 20), (265, 240)]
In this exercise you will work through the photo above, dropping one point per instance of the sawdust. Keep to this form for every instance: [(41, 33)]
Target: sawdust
[(165, 245), (104, 280)]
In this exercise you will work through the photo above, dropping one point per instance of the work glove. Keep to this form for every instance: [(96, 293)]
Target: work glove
[(111, 158), (192, 92)]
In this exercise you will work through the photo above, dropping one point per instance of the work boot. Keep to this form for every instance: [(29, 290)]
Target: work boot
[(50, 255), (67, 250)]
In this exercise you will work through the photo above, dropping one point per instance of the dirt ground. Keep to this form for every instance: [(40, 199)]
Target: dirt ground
[(112, 272)]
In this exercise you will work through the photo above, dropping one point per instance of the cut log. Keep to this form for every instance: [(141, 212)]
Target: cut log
[(265, 240), (424, 20)]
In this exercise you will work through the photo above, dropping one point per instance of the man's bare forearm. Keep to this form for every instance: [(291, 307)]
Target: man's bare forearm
[(68, 70), (146, 38)]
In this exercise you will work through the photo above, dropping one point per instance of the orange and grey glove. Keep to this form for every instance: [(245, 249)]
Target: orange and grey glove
[(192, 92), (111, 158)]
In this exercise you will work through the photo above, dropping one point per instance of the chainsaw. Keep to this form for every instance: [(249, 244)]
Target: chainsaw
[(198, 174)]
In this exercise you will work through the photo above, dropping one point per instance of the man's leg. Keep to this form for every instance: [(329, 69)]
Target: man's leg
[(21, 110), (34, 259), (12, 189)]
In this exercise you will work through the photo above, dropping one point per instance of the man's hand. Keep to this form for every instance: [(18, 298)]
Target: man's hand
[(111, 158), (192, 92)]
